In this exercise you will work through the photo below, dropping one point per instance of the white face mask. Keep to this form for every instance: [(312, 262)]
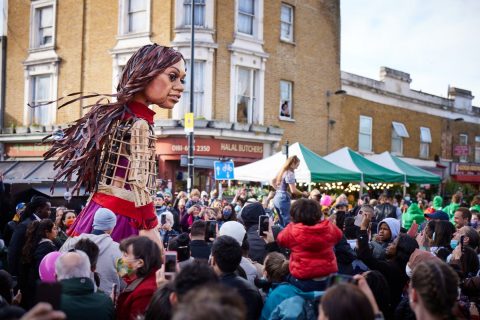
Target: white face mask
[(408, 271)]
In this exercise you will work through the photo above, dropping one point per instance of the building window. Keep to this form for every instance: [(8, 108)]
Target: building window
[(463, 141), (365, 134), (246, 16), (477, 149), (425, 140), (286, 105), (137, 16), (199, 89), (199, 12), (42, 24), (41, 93), (398, 133), (286, 23), (246, 106)]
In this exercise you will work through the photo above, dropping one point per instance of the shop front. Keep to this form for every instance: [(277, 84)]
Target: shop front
[(466, 173), (172, 159)]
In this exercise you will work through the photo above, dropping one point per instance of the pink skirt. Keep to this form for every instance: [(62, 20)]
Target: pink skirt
[(83, 224)]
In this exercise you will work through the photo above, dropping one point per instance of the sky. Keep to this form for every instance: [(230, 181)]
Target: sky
[(436, 41)]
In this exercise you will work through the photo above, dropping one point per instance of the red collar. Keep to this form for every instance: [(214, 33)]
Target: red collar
[(141, 111)]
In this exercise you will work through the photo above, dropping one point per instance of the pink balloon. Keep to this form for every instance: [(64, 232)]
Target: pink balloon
[(326, 200), (47, 267)]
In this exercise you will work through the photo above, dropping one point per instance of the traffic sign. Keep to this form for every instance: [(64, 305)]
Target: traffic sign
[(224, 170), (189, 122)]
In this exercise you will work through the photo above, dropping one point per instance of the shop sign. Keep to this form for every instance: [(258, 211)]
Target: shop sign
[(460, 151), (211, 147), (465, 168), (26, 149)]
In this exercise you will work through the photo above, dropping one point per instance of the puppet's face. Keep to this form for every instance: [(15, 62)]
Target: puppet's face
[(166, 88)]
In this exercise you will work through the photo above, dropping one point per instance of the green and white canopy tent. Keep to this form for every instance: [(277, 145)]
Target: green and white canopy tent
[(411, 173), (313, 168), (369, 171)]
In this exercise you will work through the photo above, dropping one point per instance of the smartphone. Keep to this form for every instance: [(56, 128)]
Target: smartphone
[(170, 262), (50, 293), (163, 219), (338, 278), (210, 230), (358, 219), (263, 224)]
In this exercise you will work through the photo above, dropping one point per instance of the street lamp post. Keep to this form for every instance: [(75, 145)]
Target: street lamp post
[(191, 138)]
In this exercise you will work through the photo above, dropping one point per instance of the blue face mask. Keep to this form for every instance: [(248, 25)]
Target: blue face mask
[(406, 198), (227, 213), (238, 208), (474, 224), (453, 243)]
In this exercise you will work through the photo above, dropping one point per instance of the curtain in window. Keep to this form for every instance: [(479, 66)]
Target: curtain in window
[(286, 22), (45, 31), (137, 16), (41, 93), (246, 12), (199, 89), (396, 143), (243, 94), (199, 13)]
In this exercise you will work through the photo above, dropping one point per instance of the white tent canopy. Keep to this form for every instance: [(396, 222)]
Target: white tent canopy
[(266, 169)]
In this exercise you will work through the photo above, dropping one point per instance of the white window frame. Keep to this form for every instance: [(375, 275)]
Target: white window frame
[(287, 23), (123, 20), (201, 54), (288, 99), (184, 103), (32, 71), (35, 7), (257, 23), (396, 139), (188, 13), (425, 140), (477, 149), (365, 133), (400, 129), (253, 89), (463, 136)]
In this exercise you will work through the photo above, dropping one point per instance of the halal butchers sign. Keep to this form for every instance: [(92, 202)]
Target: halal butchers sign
[(211, 147), (460, 151)]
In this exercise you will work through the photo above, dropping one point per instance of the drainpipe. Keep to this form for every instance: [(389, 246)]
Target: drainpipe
[(2, 90)]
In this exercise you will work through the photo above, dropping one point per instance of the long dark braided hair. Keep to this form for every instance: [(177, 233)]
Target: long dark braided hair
[(79, 150)]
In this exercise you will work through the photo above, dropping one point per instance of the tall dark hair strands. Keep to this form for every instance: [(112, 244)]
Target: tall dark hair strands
[(79, 151)]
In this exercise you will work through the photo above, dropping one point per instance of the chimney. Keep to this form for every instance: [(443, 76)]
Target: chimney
[(462, 99), (395, 81)]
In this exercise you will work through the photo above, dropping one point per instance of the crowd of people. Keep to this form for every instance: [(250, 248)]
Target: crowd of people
[(334, 260)]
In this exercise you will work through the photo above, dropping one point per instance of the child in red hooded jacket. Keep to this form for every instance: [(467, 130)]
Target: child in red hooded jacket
[(311, 241)]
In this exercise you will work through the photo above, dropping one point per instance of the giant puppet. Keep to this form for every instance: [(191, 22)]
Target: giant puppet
[(111, 149)]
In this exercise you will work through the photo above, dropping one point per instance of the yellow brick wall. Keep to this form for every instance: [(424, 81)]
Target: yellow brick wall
[(17, 51), (345, 131), (312, 64)]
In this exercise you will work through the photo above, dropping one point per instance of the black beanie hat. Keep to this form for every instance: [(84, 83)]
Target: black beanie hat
[(251, 212)]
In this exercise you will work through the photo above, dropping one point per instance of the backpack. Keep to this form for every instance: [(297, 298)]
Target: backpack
[(298, 308)]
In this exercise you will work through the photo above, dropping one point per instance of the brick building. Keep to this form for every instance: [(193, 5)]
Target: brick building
[(438, 134), (261, 75)]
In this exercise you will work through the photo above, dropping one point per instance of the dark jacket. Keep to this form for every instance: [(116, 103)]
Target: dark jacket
[(257, 251), (200, 249), (251, 296), (16, 245), (345, 256), (393, 272), (79, 301), (28, 273)]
